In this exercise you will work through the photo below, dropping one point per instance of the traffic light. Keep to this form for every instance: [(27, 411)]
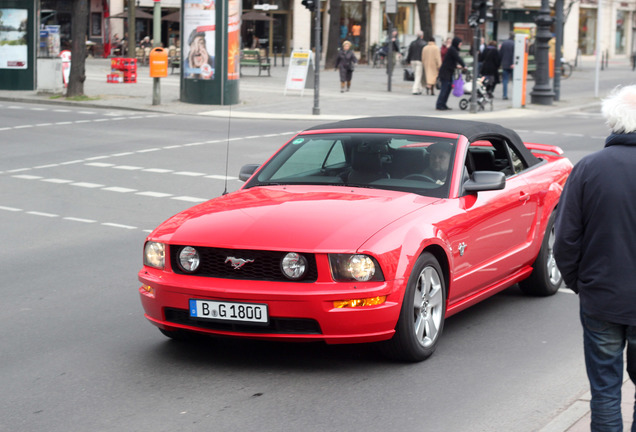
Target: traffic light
[(480, 12), (309, 4)]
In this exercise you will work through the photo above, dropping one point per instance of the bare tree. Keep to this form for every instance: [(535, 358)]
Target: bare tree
[(424, 11), (333, 38), (79, 28), (363, 33)]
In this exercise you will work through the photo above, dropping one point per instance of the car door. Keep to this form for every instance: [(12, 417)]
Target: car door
[(495, 226)]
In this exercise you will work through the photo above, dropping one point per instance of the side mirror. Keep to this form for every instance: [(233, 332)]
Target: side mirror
[(485, 181), (247, 171)]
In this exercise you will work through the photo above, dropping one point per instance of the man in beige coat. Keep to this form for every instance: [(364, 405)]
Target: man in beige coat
[(431, 62)]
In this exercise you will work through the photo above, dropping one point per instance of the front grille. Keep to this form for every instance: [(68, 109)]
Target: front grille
[(275, 326), (265, 265)]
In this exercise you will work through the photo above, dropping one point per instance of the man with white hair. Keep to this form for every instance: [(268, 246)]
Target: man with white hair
[(595, 250), (414, 58)]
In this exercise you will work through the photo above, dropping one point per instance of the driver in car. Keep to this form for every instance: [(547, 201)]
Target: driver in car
[(439, 156)]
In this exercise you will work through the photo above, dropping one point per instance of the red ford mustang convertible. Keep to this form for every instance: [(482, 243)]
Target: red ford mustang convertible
[(365, 230)]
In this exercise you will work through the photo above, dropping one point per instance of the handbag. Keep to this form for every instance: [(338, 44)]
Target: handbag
[(458, 87), (408, 75)]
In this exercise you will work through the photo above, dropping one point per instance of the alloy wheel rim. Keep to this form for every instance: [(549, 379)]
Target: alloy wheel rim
[(427, 307), (553, 270)]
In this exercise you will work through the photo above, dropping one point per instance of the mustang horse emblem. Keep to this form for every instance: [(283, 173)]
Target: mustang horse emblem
[(237, 263)]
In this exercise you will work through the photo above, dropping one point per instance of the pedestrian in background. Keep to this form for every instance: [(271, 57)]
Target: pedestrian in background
[(431, 61), (445, 46), (490, 62), (507, 55), (345, 63), (452, 61), (395, 43), (594, 249), (414, 58)]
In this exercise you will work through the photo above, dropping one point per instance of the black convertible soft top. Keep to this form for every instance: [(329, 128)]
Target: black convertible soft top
[(473, 130)]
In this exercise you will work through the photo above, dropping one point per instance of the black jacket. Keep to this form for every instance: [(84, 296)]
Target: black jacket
[(490, 62), (415, 50), (595, 246), (450, 62)]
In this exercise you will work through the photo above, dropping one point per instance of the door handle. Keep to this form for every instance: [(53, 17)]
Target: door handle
[(523, 197)]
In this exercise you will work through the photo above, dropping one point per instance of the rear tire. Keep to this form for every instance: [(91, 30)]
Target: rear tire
[(421, 321), (463, 103), (545, 278)]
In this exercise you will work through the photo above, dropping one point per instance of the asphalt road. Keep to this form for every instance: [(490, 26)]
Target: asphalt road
[(79, 191)]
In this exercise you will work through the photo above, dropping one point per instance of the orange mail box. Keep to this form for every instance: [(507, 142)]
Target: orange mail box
[(158, 63)]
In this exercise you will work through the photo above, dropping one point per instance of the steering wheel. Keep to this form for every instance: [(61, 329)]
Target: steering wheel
[(420, 177)]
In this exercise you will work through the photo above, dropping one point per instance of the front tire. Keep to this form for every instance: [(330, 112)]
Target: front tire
[(463, 103), (421, 321), (545, 278)]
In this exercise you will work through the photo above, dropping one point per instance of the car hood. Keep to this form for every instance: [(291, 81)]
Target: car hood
[(298, 218)]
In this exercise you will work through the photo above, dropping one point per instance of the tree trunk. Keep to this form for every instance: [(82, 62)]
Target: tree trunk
[(363, 34), (79, 29), (424, 12), (333, 38)]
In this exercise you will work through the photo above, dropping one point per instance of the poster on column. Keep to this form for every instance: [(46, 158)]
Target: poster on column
[(13, 38), (233, 39), (199, 18)]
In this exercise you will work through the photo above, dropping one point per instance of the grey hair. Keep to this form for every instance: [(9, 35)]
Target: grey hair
[(619, 109), (420, 33)]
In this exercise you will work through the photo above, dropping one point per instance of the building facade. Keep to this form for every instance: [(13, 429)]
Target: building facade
[(290, 25)]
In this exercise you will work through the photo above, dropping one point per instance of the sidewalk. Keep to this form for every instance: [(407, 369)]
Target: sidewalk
[(263, 97)]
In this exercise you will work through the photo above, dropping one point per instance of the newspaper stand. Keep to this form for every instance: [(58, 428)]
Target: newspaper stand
[(122, 70)]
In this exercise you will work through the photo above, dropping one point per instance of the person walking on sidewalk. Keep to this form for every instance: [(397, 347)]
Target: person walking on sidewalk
[(507, 55), (414, 58), (452, 61), (346, 64), (431, 61), (594, 248)]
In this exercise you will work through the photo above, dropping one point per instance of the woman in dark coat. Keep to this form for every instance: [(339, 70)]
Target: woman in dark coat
[(345, 63), (452, 61), (490, 62)]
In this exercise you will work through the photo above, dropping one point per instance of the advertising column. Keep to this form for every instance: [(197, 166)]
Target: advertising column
[(210, 51), (17, 45)]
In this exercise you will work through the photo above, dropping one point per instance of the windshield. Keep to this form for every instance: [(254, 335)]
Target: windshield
[(412, 163)]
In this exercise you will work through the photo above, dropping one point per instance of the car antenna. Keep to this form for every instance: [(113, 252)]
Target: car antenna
[(227, 149)]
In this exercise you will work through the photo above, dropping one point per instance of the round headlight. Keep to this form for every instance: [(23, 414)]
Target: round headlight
[(189, 259), (294, 266), (361, 267)]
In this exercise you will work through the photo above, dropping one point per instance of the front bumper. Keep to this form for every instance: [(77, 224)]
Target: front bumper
[(297, 311)]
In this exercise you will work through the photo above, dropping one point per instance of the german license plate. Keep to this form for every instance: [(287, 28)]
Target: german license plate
[(229, 311)]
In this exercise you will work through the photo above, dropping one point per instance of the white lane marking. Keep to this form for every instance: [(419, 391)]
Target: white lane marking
[(119, 189), (88, 185), (57, 180), (27, 177), (148, 150), (100, 164), (154, 194), (190, 199), (115, 225), (158, 170), (37, 213), (74, 219), (127, 167), (189, 173)]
